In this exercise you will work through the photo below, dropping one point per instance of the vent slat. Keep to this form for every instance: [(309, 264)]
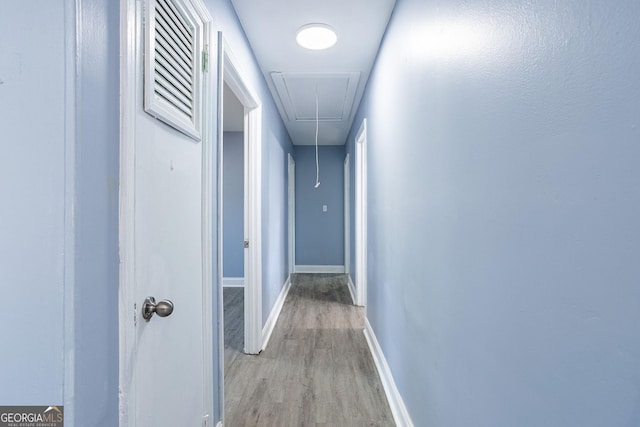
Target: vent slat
[(167, 57), (176, 74), (164, 89), (173, 30), (177, 15), (184, 30), (165, 39), (168, 77)]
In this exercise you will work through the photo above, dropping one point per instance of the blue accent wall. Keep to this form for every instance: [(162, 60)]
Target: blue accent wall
[(320, 235), (504, 211), (233, 205)]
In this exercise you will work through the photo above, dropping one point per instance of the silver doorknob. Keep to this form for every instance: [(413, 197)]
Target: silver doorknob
[(163, 309)]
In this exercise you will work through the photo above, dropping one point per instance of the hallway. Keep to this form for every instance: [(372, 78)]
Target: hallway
[(317, 368)]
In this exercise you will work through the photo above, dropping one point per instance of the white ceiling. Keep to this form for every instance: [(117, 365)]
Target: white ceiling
[(293, 73)]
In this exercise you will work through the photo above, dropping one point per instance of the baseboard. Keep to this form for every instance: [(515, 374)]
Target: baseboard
[(275, 313), (399, 411), (319, 269), (352, 289), (233, 282)]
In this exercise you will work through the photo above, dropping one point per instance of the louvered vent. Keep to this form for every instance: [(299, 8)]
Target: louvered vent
[(172, 80)]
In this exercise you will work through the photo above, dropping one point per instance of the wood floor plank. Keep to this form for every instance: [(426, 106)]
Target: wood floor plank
[(233, 298), (317, 369)]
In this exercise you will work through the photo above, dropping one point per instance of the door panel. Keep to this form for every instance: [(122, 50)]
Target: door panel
[(168, 264)]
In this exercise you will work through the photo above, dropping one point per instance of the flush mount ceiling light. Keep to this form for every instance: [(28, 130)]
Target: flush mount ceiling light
[(316, 36)]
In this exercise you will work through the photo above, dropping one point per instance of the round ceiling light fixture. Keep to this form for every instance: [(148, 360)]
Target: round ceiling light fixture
[(316, 36)]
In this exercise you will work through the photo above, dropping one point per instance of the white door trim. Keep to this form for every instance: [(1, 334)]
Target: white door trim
[(237, 81), (291, 177), (126, 300), (347, 215), (72, 60), (361, 214), (208, 174), (126, 314)]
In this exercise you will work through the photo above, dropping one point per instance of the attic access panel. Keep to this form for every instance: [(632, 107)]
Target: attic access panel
[(297, 94)]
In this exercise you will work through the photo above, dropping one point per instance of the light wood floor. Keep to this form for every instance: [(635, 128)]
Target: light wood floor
[(317, 369), (233, 324)]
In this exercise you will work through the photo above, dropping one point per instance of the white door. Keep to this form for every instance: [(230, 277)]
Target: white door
[(163, 372)]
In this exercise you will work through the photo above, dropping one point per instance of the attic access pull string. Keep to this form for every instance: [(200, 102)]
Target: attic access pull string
[(317, 162)]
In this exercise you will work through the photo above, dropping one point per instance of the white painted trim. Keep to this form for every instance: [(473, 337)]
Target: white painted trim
[(291, 200), (347, 215), (396, 403), (361, 215), (220, 424), (233, 282), (275, 313), (231, 73), (352, 289), (72, 64), (219, 225), (253, 264), (126, 330), (319, 269), (209, 281)]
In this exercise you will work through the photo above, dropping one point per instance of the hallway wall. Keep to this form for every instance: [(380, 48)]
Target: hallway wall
[(32, 217), (320, 235), (59, 248), (504, 211)]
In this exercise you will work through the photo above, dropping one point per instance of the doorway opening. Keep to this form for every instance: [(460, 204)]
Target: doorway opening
[(234, 89), (233, 214)]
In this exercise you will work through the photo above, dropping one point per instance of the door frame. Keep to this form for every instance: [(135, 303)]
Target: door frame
[(230, 72), (361, 215), (291, 177), (127, 306), (347, 214)]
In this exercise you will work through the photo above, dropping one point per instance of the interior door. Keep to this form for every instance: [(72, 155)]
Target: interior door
[(167, 367)]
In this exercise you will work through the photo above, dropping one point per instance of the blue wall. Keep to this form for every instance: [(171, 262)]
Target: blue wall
[(504, 211), (320, 235), (233, 205), (96, 215), (32, 217), (60, 237)]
